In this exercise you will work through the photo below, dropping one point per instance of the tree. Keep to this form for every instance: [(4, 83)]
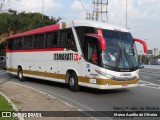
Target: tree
[(21, 22), (14, 21)]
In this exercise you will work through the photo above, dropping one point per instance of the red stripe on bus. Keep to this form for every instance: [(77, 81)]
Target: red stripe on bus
[(36, 50), (45, 29)]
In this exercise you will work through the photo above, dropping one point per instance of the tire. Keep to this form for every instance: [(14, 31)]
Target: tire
[(20, 74), (73, 82)]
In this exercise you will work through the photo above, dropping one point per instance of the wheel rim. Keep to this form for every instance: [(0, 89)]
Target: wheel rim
[(20, 75), (71, 82)]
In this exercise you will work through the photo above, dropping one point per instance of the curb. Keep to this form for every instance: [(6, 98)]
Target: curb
[(12, 104), (52, 97)]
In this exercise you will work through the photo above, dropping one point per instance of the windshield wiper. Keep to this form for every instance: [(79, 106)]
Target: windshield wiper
[(129, 61), (109, 66), (118, 59)]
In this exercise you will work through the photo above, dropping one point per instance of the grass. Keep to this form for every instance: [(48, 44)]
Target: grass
[(5, 106)]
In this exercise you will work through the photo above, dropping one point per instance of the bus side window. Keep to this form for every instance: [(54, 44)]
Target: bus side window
[(70, 40), (81, 32), (35, 41), (55, 39), (92, 52), (63, 40), (49, 37), (38, 41), (51, 40), (28, 42), (18, 44), (11, 44), (67, 39)]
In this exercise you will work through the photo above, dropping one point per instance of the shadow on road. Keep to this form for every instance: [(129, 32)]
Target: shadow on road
[(5, 77), (97, 91), (8, 77), (82, 89)]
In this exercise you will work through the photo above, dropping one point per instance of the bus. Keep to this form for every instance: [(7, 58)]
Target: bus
[(81, 53)]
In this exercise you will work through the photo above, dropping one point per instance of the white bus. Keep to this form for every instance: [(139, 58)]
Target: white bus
[(83, 53)]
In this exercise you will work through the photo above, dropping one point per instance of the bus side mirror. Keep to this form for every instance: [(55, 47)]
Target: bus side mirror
[(143, 43), (101, 40), (102, 43)]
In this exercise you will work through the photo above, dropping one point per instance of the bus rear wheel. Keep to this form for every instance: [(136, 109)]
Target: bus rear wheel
[(73, 82), (20, 74)]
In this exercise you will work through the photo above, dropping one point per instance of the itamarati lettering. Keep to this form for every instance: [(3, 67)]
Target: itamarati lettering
[(63, 56)]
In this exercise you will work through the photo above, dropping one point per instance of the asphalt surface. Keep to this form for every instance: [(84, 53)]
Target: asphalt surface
[(146, 95)]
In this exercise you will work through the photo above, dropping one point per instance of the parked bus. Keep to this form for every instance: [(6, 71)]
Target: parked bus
[(83, 53)]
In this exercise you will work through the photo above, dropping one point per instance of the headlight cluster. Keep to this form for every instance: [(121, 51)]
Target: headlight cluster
[(104, 74)]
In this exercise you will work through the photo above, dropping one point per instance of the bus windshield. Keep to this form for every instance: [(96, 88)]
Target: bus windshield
[(121, 53)]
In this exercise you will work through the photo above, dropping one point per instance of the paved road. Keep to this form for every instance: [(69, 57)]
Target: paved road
[(152, 66), (147, 94)]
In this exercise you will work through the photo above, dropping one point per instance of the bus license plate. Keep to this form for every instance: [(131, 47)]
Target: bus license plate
[(125, 84)]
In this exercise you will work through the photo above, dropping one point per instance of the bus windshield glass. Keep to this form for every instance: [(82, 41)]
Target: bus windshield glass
[(121, 53)]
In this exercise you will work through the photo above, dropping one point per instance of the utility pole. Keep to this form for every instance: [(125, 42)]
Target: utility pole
[(126, 14), (42, 9), (98, 10)]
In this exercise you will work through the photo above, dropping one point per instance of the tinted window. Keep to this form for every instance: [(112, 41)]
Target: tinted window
[(63, 39), (38, 41), (70, 40), (11, 44), (18, 43), (51, 40), (81, 32), (28, 42), (67, 39)]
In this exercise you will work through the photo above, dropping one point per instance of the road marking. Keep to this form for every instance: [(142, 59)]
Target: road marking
[(3, 72), (149, 84), (158, 74), (145, 77)]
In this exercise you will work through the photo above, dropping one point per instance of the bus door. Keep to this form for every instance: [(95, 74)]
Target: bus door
[(92, 55)]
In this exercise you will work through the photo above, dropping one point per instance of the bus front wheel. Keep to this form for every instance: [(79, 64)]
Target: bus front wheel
[(73, 82), (20, 74)]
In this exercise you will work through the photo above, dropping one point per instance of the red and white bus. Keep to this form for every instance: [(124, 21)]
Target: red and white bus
[(83, 53)]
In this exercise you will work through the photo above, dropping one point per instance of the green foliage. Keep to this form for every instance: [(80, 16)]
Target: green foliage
[(5, 106), (20, 22), (2, 49)]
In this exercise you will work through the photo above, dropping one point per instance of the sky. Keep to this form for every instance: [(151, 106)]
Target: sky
[(143, 15)]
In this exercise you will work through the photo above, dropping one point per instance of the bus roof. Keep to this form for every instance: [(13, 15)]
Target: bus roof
[(77, 23), (38, 31), (101, 25)]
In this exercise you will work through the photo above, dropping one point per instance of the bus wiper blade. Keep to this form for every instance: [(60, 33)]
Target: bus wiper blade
[(118, 59), (129, 61), (109, 66)]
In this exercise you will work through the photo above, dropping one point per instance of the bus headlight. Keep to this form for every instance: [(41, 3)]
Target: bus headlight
[(104, 74)]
